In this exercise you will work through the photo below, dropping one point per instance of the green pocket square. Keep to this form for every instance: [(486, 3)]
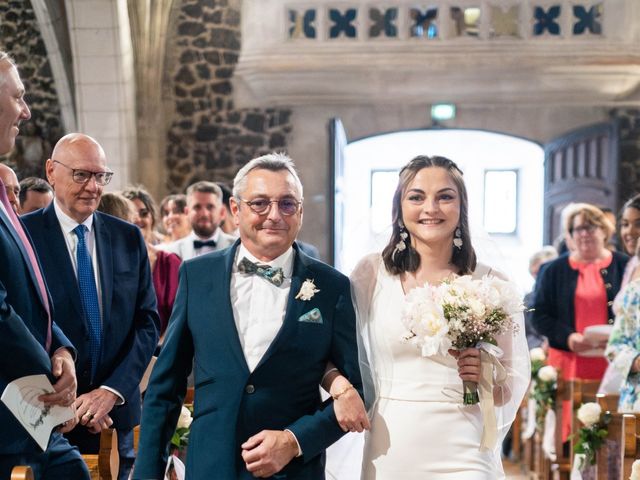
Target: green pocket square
[(312, 316)]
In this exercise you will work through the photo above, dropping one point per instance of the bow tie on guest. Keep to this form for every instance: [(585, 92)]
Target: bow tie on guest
[(204, 243), (273, 275)]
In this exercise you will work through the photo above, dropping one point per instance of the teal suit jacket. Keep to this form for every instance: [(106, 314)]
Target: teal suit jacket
[(231, 403)]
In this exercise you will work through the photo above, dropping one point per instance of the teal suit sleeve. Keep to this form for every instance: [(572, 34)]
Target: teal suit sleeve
[(166, 390), (318, 431)]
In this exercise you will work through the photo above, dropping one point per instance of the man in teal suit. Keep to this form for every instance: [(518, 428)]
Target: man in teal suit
[(259, 322)]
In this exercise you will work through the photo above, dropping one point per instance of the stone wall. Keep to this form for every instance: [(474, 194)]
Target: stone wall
[(20, 36), (207, 137)]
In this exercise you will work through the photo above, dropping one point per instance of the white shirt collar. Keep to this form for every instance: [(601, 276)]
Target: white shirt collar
[(66, 222), (285, 261)]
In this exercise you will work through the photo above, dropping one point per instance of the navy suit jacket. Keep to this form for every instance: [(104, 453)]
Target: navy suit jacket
[(23, 332), (129, 315), (231, 403)]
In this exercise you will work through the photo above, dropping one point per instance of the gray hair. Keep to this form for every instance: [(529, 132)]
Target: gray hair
[(204, 187), (274, 162), (5, 56)]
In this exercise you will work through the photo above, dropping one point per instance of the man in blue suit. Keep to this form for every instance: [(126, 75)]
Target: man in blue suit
[(99, 274), (30, 342), (259, 322)]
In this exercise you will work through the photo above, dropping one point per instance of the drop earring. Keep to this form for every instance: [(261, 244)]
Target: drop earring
[(457, 239), (402, 244)]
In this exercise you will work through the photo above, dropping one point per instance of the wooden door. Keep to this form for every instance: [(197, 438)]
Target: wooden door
[(580, 166)]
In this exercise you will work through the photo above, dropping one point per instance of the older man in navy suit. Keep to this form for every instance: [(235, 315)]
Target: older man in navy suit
[(30, 342), (261, 320), (99, 274)]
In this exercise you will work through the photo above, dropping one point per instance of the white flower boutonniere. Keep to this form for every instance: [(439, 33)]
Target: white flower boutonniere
[(307, 290)]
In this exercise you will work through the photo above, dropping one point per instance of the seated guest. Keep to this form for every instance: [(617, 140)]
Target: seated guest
[(173, 210), (205, 211), (35, 193), (164, 265)]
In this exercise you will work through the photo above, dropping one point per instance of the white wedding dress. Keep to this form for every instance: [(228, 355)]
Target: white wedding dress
[(420, 428)]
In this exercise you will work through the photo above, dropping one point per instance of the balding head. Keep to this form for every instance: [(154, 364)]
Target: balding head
[(76, 171), (13, 108), (8, 177)]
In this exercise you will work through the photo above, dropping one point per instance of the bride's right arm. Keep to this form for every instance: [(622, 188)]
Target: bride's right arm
[(347, 403)]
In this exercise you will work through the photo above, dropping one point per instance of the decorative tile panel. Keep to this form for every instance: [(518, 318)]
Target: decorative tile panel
[(383, 22), (479, 19), (587, 19), (423, 22), (466, 21), (342, 23), (546, 20), (505, 21), (302, 23)]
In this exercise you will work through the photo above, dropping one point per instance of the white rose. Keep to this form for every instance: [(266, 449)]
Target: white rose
[(184, 421), (548, 374), (635, 471), (477, 308), (537, 355), (589, 413)]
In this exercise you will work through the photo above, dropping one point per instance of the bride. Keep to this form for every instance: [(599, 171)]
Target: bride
[(419, 425)]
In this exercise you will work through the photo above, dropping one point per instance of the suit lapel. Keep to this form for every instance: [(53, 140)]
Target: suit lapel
[(105, 266), (226, 315), (58, 254), (294, 307)]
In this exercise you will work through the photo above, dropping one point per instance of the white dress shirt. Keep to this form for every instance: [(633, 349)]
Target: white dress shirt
[(67, 224), (258, 305)]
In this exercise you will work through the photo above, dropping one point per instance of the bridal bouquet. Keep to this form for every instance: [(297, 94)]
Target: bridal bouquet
[(459, 314)]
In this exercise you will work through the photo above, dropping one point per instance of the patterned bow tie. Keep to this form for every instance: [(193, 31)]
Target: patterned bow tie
[(206, 243), (273, 275)]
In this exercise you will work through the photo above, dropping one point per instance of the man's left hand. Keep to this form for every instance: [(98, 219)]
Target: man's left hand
[(268, 452), (64, 369), (94, 406)]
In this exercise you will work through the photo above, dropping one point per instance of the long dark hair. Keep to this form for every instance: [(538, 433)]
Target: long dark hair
[(408, 260)]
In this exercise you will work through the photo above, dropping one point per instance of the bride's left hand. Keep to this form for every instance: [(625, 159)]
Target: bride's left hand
[(468, 363)]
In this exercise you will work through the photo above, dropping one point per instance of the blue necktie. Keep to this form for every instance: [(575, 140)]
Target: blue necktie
[(89, 295)]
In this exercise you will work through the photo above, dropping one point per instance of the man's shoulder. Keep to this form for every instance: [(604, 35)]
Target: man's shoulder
[(34, 218), (321, 269), (225, 240)]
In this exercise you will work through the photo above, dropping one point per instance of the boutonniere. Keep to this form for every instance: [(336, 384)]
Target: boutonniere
[(307, 290)]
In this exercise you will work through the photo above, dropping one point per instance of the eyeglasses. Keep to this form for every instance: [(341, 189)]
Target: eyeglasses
[(83, 176), (262, 206), (590, 228)]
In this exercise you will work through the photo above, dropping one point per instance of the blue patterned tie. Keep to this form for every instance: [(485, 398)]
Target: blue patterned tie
[(89, 295)]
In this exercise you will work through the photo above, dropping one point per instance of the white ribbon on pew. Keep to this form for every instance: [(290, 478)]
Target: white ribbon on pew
[(549, 435)]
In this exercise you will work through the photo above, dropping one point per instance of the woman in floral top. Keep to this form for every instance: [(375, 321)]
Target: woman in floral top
[(623, 349)]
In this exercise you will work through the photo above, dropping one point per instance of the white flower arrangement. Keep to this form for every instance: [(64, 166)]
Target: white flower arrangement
[(537, 355), (459, 314), (548, 374), (589, 413), (307, 290), (185, 418), (635, 470)]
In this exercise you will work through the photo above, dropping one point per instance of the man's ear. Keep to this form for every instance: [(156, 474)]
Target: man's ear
[(48, 168)]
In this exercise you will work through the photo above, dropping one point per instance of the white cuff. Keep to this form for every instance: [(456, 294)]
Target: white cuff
[(120, 400), (297, 443)]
